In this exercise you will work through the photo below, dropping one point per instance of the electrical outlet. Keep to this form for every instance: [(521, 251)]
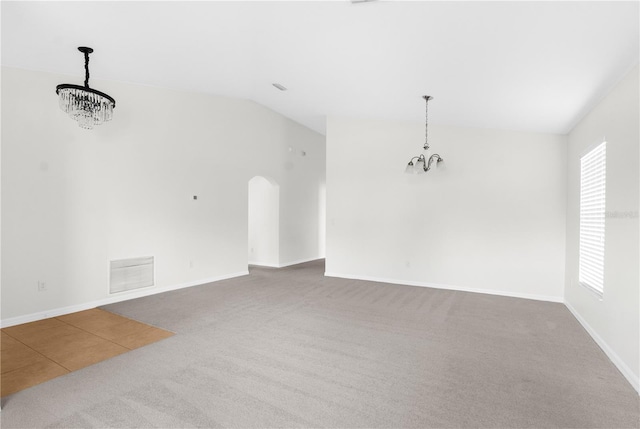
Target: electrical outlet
[(42, 286)]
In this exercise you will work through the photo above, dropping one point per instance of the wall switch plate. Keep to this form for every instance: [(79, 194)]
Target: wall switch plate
[(42, 286)]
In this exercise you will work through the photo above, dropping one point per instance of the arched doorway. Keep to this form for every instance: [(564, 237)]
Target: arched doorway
[(264, 222)]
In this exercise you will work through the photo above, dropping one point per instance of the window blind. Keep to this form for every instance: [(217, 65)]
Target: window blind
[(592, 218)]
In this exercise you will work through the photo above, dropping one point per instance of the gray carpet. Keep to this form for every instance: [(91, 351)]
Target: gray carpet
[(291, 348)]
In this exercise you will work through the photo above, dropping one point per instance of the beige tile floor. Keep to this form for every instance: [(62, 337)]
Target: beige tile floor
[(35, 352)]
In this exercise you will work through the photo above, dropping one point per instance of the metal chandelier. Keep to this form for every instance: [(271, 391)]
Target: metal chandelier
[(86, 105), (423, 165)]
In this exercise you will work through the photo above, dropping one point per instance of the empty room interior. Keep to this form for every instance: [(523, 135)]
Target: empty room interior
[(320, 214)]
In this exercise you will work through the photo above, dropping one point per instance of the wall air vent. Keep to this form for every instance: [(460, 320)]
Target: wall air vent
[(128, 274)]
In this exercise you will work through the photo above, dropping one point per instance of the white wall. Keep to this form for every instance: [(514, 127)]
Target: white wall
[(305, 166), (73, 199), (613, 321), (491, 218), (264, 222)]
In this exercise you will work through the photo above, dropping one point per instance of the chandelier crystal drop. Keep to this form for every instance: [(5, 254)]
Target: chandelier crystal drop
[(85, 105), (87, 108)]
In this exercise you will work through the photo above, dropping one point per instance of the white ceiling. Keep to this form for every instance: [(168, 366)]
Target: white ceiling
[(534, 66)]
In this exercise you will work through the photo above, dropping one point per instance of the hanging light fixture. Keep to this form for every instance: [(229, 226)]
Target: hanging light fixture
[(422, 165), (83, 104)]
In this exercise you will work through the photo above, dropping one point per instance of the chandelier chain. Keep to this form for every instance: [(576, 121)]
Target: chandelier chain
[(426, 123), (86, 69)]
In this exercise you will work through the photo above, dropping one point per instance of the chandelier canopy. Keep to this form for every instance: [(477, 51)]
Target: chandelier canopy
[(86, 105)]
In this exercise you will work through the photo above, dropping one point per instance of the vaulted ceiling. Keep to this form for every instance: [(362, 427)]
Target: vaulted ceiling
[(533, 66)]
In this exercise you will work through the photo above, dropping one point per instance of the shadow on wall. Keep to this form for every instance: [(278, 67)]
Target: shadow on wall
[(264, 222)]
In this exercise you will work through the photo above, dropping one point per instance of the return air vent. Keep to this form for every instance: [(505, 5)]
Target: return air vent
[(128, 274)]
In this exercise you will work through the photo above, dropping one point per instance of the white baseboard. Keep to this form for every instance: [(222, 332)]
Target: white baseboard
[(634, 379), (124, 296), (286, 264), (261, 264), (299, 261), (548, 298)]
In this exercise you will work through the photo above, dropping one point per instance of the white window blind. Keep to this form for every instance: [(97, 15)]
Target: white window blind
[(593, 169)]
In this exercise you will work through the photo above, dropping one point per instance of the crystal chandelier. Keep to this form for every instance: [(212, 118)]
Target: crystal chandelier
[(83, 104), (423, 165)]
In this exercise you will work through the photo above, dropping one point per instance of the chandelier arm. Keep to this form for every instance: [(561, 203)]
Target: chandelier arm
[(427, 166), (419, 157)]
